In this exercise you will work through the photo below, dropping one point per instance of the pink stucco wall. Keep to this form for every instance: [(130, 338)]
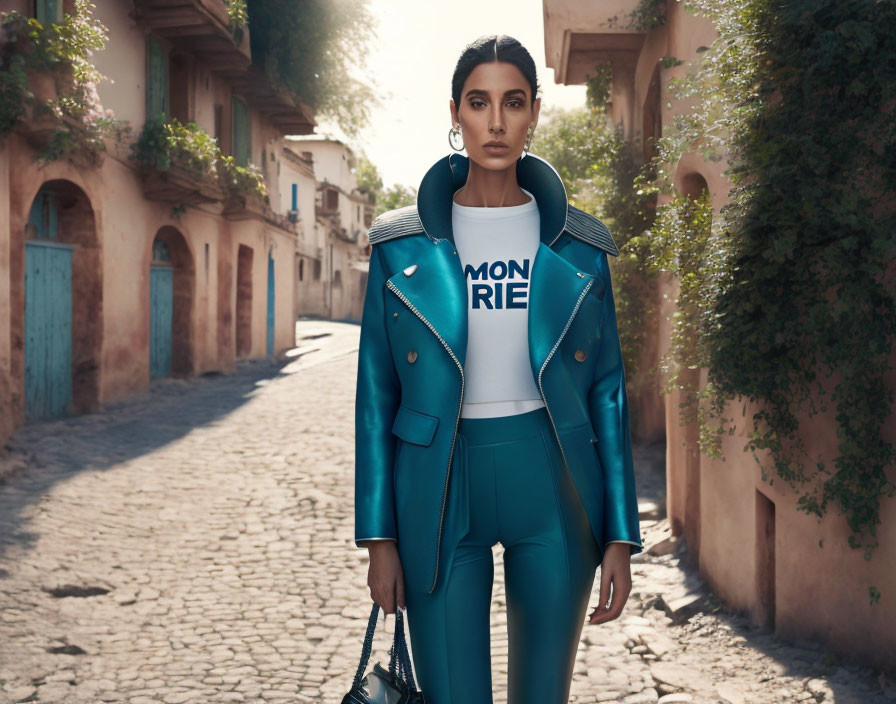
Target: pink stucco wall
[(123, 224), (751, 543), (126, 224)]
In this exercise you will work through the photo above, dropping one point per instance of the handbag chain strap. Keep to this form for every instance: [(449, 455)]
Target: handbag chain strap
[(399, 660), (400, 653), (404, 655)]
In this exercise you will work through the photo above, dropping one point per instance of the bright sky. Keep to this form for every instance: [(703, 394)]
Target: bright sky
[(417, 47)]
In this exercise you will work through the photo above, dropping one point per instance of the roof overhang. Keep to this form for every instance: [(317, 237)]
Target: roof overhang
[(578, 36)]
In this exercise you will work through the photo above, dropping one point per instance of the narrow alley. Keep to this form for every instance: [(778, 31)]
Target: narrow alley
[(195, 544)]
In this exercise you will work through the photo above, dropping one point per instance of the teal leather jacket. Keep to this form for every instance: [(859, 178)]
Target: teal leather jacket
[(413, 342)]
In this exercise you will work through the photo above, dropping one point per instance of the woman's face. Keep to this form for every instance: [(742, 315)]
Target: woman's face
[(495, 107)]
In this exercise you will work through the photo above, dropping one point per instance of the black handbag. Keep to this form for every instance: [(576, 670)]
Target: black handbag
[(381, 686)]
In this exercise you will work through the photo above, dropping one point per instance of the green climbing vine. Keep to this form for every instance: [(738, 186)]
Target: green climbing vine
[(787, 294), (647, 15), (598, 167)]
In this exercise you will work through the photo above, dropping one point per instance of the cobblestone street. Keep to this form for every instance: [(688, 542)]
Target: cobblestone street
[(195, 545)]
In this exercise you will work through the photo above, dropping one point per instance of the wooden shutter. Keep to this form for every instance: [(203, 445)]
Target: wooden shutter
[(240, 132), (48, 11), (156, 78)]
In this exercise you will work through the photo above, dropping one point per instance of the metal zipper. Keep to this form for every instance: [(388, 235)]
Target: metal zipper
[(551, 354), (392, 287)]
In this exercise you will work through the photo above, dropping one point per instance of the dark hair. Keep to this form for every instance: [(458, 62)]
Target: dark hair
[(493, 47)]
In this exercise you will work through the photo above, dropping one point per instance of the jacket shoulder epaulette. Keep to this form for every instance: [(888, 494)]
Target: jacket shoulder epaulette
[(395, 223), (584, 226)]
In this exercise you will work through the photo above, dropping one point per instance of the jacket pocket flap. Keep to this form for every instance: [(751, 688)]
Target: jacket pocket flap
[(414, 427)]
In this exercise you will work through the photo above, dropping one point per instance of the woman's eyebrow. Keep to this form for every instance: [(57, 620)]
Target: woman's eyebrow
[(478, 91)]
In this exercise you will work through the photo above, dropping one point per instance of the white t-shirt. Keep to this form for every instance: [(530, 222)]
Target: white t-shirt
[(497, 248)]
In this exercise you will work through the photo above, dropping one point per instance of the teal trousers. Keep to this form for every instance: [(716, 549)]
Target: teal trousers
[(512, 487)]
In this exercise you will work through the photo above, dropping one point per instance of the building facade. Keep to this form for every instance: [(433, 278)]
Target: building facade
[(113, 273), (762, 555), (298, 190), (342, 216)]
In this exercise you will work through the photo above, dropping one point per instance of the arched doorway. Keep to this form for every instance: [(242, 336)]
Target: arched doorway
[(171, 284), (63, 302)]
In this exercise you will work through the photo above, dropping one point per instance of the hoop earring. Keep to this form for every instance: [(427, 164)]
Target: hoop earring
[(453, 134), (528, 139)]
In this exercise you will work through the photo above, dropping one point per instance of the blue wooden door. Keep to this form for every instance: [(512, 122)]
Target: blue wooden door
[(48, 329), (270, 347), (161, 307)]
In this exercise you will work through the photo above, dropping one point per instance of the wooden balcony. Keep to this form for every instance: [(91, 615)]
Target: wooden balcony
[(40, 127), (199, 27), (255, 207), (202, 28), (179, 185), (286, 114), (245, 207)]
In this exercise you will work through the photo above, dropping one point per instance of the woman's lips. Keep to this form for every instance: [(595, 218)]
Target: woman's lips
[(495, 149)]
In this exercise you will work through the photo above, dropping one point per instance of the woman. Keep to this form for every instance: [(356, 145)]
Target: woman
[(491, 403)]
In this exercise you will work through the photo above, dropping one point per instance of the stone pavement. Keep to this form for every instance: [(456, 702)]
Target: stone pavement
[(195, 545)]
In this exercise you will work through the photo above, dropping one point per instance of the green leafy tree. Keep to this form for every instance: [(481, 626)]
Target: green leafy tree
[(370, 181), (396, 196), (598, 169)]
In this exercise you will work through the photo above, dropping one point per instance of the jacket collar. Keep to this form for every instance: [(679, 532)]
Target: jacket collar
[(437, 290), (436, 194)]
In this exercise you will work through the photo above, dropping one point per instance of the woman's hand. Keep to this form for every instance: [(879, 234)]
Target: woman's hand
[(385, 576), (616, 570)]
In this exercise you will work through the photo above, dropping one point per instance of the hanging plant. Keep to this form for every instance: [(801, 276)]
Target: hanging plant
[(239, 18), (46, 75), (239, 180)]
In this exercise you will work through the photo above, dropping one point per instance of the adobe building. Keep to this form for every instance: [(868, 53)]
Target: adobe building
[(758, 552), (298, 191), (343, 216), (111, 277)]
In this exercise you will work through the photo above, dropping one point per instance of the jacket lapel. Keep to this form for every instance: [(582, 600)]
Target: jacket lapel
[(438, 292), (555, 292), (437, 288)]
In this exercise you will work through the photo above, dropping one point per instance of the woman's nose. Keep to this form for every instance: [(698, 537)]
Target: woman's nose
[(496, 124)]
